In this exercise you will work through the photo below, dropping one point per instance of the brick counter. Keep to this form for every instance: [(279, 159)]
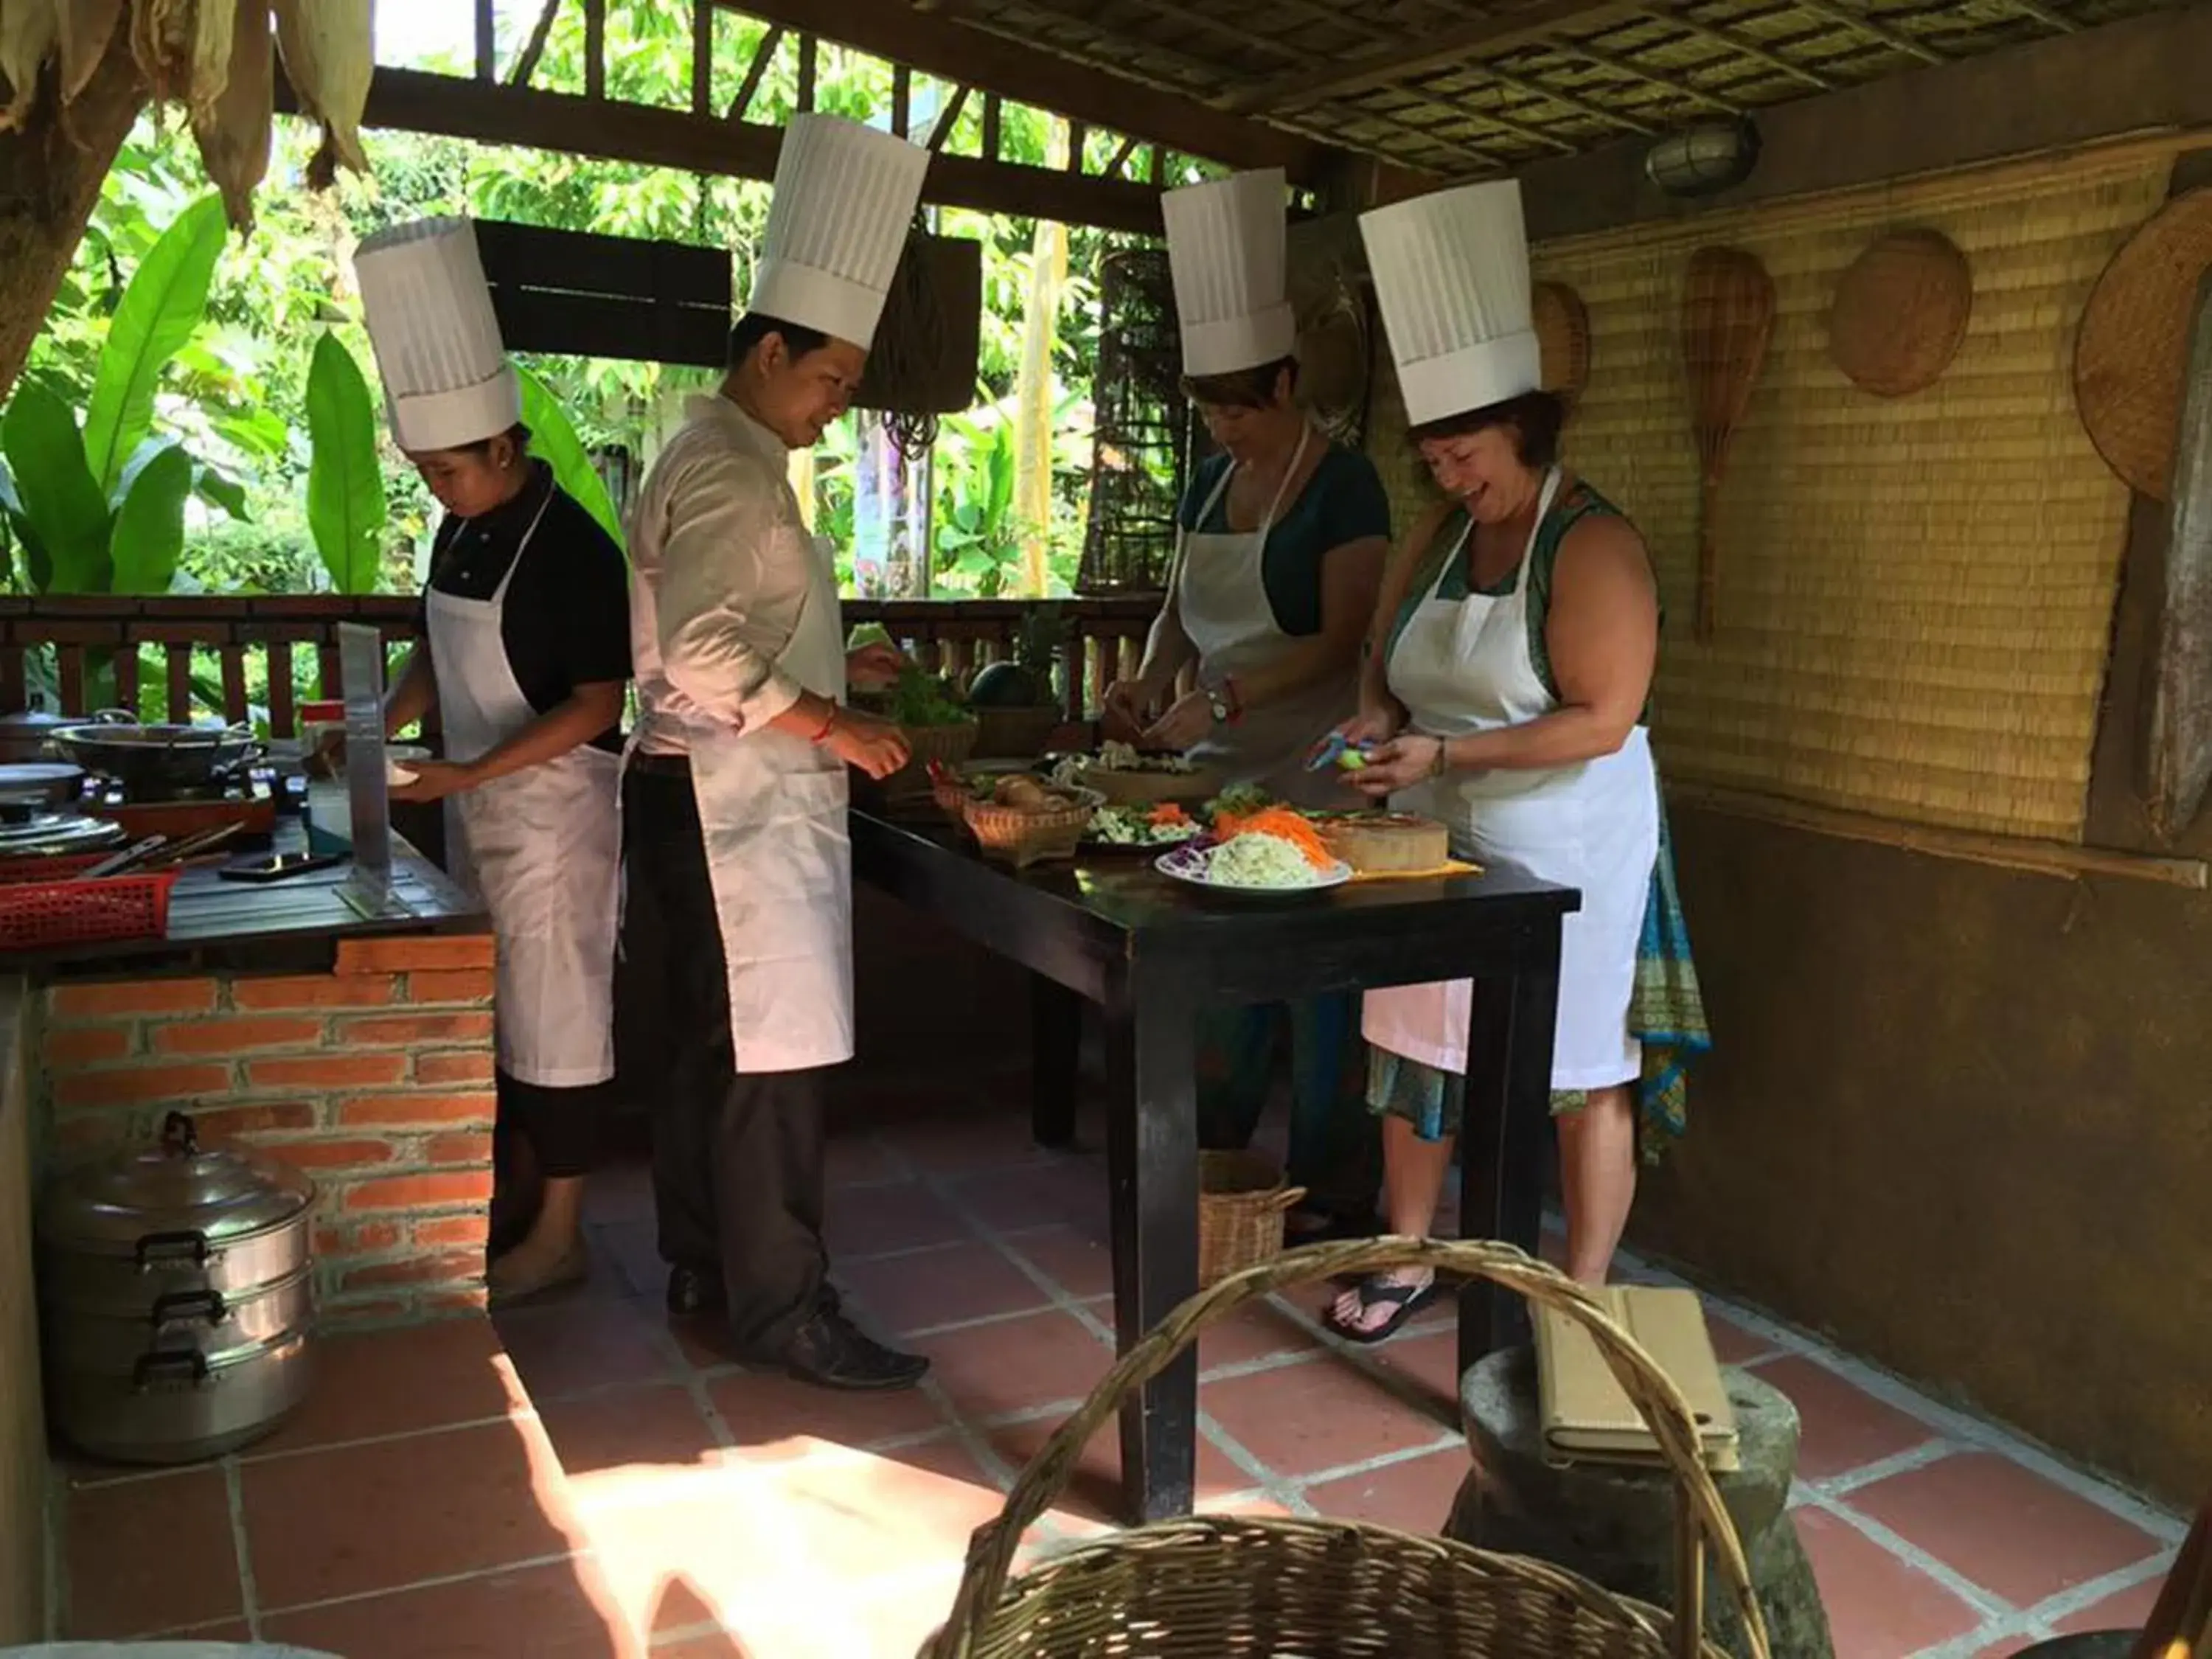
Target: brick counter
[(374, 1079)]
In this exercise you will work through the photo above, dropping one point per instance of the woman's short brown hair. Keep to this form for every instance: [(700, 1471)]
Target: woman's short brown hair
[(1242, 388), (1535, 419)]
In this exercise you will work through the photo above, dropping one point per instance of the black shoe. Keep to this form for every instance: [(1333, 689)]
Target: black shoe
[(830, 1351), (696, 1293)]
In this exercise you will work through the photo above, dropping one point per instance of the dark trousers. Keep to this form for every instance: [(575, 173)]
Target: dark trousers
[(541, 1134), (737, 1159)]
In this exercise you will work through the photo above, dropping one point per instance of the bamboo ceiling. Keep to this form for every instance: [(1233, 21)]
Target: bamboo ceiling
[(1451, 89)]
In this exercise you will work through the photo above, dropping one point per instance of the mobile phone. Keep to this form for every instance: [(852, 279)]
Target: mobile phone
[(280, 865)]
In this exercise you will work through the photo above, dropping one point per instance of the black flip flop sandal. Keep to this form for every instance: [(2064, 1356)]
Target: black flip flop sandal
[(1404, 1301)]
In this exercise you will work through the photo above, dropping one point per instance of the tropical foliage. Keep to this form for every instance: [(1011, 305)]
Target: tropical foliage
[(195, 363)]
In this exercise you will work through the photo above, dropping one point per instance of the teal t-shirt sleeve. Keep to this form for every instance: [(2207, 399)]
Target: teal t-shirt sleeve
[(1355, 508)]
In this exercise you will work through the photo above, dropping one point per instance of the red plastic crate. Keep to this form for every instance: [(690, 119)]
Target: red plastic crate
[(42, 904)]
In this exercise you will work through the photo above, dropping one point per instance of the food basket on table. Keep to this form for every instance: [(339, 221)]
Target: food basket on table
[(1127, 776), (1218, 1585), (1025, 825)]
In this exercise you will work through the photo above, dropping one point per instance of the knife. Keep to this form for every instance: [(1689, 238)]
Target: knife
[(123, 860)]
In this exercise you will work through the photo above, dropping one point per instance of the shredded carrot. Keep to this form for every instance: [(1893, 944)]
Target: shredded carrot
[(1281, 822), (1168, 813)]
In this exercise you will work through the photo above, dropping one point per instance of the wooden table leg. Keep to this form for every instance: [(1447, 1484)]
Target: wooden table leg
[(1152, 1147), (1055, 1041), (1506, 1136)]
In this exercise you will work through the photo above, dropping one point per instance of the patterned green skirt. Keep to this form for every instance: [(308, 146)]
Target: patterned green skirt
[(1666, 1014)]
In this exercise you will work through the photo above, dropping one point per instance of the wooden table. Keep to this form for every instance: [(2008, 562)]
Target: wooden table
[(1151, 953)]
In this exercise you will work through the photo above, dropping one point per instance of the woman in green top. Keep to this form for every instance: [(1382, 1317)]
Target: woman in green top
[(1284, 535)]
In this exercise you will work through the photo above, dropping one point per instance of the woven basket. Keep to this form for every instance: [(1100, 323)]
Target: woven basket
[(949, 745), (1212, 1585), (1016, 733), (1241, 1201), (1024, 838)]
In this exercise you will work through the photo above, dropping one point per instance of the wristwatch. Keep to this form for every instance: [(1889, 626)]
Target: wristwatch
[(1221, 698)]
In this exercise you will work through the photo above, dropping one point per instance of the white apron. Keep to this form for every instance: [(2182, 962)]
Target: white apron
[(543, 847), (1221, 596), (778, 854), (1464, 666)]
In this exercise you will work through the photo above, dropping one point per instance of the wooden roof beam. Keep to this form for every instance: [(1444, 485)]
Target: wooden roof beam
[(1492, 31), (412, 100), (940, 44)]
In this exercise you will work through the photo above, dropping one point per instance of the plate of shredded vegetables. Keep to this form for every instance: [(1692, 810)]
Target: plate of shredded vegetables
[(1274, 850), (1134, 829)]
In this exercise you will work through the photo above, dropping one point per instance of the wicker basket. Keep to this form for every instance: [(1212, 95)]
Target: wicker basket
[(1016, 733), (949, 744), (1150, 788), (1241, 1201), (1220, 1584), (1025, 838)]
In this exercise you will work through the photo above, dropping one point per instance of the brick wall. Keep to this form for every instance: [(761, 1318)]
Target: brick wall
[(374, 1079)]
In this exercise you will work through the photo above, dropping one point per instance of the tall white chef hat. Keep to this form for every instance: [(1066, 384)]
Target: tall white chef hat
[(1451, 278), (838, 221), (446, 380), (1225, 252)]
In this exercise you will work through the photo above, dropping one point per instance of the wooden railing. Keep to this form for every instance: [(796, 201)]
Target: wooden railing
[(232, 658)]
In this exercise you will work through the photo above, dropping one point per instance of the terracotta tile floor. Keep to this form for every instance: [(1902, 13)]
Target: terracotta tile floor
[(573, 1482)]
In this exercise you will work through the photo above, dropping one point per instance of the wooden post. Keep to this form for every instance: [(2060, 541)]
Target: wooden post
[(806, 66), (901, 100), (764, 56), (487, 42), (595, 48), (992, 117), (703, 56)]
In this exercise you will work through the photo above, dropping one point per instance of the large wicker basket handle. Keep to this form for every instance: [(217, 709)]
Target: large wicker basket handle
[(1701, 1517)]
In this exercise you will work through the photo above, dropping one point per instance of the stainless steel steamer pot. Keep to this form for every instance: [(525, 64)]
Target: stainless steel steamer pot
[(176, 1296)]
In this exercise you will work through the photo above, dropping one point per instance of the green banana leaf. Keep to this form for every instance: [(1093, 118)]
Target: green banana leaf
[(62, 505), (345, 485), (149, 524), (553, 440), (163, 306)]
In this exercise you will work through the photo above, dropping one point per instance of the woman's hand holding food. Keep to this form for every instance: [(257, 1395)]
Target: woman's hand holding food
[(1189, 719), (1397, 764), (1125, 708)]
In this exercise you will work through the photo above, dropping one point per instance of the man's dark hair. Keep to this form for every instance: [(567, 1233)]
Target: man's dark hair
[(756, 325), (1533, 417), (1242, 388)]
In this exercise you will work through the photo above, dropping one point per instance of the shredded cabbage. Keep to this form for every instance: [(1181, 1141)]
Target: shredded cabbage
[(1259, 861)]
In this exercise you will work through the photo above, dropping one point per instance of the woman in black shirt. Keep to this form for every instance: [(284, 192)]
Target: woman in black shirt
[(528, 608), (524, 656)]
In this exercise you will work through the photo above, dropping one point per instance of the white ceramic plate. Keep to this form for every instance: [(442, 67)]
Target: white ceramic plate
[(1187, 865)]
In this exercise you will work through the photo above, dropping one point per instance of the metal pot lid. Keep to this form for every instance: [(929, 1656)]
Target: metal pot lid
[(49, 775), (54, 833), (176, 1185)]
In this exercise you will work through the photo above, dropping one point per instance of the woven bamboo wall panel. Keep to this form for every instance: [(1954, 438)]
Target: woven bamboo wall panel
[(1915, 606)]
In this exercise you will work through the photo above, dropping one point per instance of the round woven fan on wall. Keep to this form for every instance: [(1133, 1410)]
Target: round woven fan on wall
[(1335, 356), (1563, 337), (2132, 353), (1900, 310)]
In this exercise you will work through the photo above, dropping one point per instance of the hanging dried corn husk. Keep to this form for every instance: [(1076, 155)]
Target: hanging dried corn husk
[(923, 363), (234, 134), (86, 27), (209, 72), (330, 54), (26, 34)]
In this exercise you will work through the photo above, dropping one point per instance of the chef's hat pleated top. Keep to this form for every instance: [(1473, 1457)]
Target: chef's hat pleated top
[(843, 202), (446, 380), (1226, 253), (1451, 279)]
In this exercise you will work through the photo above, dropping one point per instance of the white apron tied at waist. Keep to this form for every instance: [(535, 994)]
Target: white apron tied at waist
[(541, 845)]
